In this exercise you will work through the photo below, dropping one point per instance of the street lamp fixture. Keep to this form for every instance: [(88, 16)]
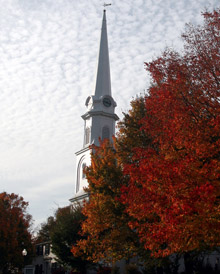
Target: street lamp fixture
[(24, 252)]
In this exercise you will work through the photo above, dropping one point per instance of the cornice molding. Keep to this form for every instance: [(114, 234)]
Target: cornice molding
[(99, 113)]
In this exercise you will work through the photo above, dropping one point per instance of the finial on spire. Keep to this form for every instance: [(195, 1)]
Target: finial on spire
[(105, 5)]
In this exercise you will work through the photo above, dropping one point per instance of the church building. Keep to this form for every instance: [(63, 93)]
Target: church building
[(100, 117)]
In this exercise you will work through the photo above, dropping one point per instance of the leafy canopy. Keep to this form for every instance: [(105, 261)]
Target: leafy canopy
[(108, 236), (15, 235), (174, 187), (62, 230)]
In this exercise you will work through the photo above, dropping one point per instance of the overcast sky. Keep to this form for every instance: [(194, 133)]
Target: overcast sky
[(48, 53)]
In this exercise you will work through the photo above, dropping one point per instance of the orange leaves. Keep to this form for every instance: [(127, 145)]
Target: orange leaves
[(108, 236)]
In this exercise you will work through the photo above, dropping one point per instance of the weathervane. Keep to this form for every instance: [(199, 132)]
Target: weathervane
[(105, 5)]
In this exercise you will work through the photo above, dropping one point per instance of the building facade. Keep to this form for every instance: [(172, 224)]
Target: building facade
[(44, 261)]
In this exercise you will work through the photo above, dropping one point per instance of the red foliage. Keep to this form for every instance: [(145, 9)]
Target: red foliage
[(14, 231), (173, 192)]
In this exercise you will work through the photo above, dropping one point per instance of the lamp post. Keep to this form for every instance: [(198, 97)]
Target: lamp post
[(24, 253)]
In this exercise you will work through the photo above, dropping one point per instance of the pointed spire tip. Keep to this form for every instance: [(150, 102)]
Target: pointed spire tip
[(103, 81)]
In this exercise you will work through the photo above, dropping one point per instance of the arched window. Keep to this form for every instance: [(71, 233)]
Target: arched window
[(105, 132), (79, 173)]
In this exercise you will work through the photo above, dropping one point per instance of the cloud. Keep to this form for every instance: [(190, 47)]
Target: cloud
[(48, 52)]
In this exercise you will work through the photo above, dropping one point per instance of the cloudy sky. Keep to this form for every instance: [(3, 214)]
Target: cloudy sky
[(48, 53)]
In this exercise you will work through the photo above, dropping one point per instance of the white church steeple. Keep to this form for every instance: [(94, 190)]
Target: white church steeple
[(99, 120), (100, 117)]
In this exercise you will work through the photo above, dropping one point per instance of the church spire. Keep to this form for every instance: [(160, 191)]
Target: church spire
[(99, 120), (103, 80)]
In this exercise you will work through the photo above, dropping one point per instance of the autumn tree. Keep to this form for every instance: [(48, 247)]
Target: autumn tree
[(15, 234), (108, 236), (174, 184)]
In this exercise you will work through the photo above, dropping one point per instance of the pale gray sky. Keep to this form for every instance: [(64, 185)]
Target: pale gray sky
[(48, 53)]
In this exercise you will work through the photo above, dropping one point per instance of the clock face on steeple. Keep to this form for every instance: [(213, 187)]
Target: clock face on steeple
[(107, 102)]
